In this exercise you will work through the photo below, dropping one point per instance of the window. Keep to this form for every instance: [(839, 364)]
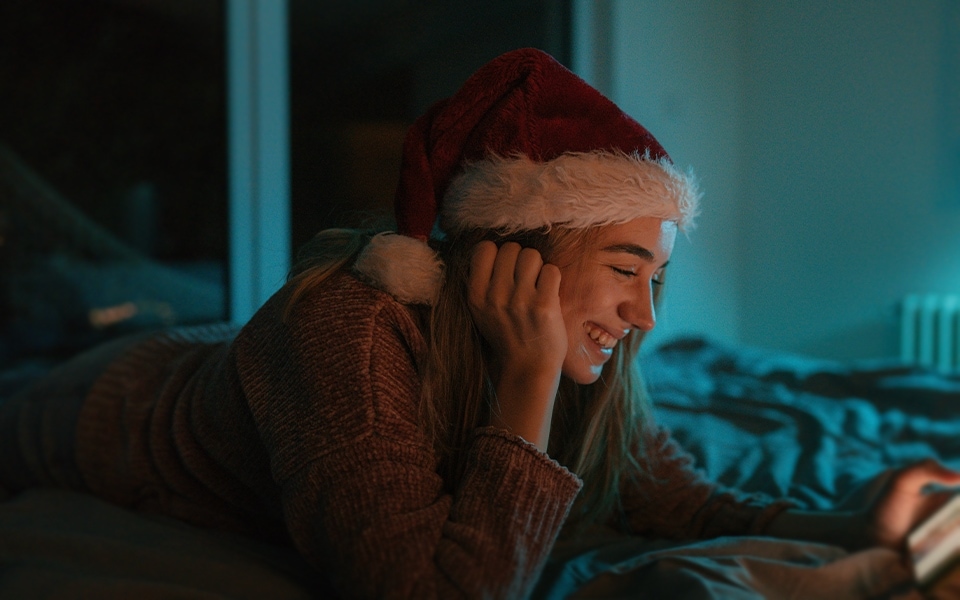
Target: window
[(113, 190)]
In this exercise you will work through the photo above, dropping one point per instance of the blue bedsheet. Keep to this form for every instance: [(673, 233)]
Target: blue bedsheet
[(810, 429)]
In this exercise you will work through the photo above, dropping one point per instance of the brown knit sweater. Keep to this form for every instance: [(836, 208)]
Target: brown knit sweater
[(309, 426)]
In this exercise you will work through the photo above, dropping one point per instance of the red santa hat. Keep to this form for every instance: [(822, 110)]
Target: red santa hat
[(525, 144)]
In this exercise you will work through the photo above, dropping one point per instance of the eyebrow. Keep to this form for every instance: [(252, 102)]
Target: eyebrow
[(634, 249)]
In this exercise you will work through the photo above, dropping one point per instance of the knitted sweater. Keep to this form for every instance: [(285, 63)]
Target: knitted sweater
[(308, 428)]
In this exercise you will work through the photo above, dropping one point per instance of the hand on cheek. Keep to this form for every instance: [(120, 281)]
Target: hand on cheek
[(515, 301)]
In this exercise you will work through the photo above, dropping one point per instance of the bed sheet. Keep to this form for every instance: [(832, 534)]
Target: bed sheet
[(788, 425)]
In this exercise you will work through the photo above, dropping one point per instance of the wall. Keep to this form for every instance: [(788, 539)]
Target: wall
[(825, 137), (844, 177)]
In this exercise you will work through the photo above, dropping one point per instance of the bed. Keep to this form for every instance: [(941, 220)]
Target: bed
[(818, 431)]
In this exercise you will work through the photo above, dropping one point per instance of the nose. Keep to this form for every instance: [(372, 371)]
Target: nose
[(639, 310)]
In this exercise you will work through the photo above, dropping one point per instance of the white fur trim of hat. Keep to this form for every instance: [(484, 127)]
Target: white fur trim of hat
[(574, 191)]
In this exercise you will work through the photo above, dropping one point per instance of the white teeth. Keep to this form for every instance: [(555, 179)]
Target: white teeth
[(601, 337)]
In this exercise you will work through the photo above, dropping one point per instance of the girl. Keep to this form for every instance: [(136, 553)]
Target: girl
[(422, 413)]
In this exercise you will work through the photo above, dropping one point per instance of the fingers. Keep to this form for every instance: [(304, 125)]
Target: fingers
[(504, 268), (548, 282), (481, 270), (939, 473), (514, 298), (907, 499), (500, 274), (924, 474), (930, 482), (527, 268)]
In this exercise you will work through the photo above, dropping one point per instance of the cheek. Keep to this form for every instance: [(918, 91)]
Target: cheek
[(572, 306), (589, 295)]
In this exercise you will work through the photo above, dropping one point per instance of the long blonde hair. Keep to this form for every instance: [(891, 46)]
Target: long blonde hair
[(598, 430)]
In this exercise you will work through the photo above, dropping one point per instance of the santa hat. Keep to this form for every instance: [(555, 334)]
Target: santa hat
[(525, 144)]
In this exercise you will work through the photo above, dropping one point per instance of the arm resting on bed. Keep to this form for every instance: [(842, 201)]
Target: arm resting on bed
[(885, 519), (846, 529)]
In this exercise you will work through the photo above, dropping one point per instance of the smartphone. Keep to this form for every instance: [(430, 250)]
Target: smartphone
[(934, 546)]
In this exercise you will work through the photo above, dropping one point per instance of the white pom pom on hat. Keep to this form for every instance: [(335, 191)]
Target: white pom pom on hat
[(404, 266)]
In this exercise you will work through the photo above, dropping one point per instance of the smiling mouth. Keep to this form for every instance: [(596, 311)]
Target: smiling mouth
[(600, 337)]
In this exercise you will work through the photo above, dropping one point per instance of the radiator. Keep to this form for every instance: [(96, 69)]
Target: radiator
[(930, 331)]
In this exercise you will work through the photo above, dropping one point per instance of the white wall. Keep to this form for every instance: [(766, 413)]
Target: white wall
[(825, 136)]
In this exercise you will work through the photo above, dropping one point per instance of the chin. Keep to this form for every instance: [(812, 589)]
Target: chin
[(583, 374)]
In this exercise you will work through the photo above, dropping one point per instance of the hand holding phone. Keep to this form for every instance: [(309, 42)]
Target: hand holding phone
[(934, 546)]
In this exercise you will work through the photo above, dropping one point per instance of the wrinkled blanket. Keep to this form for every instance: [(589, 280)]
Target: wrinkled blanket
[(745, 568), (786, 425)]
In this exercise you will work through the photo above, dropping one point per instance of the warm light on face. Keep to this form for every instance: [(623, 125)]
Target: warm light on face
[(608, 293)]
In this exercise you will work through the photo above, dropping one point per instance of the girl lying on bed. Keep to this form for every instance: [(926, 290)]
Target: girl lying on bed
[(423, 413)]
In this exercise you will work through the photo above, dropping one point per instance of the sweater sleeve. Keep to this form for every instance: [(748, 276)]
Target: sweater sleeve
[(671, 499), (335, 396)]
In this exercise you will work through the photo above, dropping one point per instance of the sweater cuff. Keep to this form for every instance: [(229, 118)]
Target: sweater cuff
[(509, 442), (526, 483)]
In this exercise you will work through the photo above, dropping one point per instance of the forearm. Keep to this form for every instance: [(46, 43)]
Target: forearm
[(524, 405), (840, 528)]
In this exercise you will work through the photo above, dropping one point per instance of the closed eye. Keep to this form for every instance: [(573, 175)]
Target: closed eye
[(659, 277), (623, 272)]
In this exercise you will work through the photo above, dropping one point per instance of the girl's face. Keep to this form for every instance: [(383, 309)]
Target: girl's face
[(608, 292)]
